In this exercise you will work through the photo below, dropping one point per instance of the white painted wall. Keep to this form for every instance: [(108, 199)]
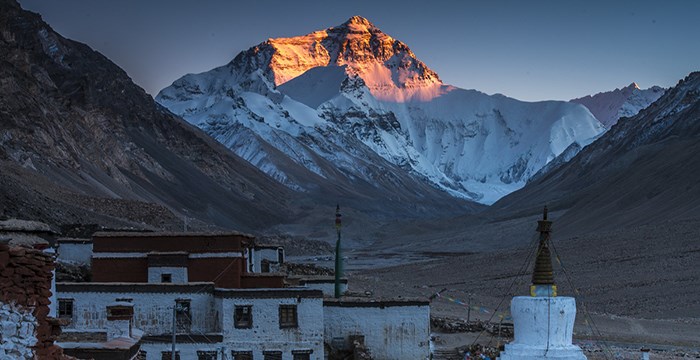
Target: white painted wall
[(178, 275), (153, 312), (75, 252), (391, 333), (267, 254), (543, 328), (266, 334)]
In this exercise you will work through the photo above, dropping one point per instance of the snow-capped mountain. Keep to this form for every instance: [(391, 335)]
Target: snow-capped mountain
[(352, 101), (610, 106)]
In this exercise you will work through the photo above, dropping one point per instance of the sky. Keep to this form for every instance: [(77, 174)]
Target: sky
[(529, 50)]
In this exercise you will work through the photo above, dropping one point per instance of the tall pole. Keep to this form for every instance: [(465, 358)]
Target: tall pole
[(338, 257), (172, 352), (469, 309)]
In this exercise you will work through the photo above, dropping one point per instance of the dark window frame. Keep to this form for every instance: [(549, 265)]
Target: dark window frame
[(63, 310), (301, 354), (242, 355), (167, 355), (272, 355), (288, 316), (243, 319), (166, 278)]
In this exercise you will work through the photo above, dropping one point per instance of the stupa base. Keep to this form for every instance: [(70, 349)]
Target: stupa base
[(521, 352)]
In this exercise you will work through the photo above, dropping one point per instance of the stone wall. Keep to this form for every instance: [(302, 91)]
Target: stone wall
[(25, 289)]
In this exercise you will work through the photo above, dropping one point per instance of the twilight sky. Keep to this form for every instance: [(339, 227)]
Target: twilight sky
[(530, 50)]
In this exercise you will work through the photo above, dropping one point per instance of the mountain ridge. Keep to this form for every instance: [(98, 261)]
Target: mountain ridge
[(609, 106), (643, 170)]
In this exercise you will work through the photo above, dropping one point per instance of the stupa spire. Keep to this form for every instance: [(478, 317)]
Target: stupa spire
[(543, 274)]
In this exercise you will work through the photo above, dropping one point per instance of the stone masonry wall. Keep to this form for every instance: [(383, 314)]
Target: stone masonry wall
[(25, 289)]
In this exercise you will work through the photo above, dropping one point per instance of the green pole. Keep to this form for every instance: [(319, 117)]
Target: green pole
[(338, 257)]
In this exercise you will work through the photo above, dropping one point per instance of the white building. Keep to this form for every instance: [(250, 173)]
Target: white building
[(77, 251), (201, 287), (211, 323), (390, 329), (265, 258)]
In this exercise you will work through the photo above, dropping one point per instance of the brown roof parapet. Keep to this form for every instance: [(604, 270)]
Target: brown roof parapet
[(269, 293), (136, 287), (378, 303)]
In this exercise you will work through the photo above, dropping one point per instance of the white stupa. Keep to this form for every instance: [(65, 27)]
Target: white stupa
[(543, 322)]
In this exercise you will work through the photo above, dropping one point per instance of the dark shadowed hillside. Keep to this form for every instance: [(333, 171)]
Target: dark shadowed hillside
[(78, 125)]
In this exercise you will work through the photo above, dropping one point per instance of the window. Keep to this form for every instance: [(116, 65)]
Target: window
[(243, 317), (288, 316), (182, 316), (242, 355), (167, 355), (206, 355), (272, 355), (280, 256), (166, 278), (301, 354), (65, 308)]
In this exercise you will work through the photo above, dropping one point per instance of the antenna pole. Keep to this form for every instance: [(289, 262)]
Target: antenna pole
[(338, 257), (172, 352)]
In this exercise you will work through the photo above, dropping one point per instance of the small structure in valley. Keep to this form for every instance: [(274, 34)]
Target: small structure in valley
[(543, 321)]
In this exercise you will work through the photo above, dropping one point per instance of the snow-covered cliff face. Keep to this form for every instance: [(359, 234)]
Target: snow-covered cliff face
[(610, 106), (354, 97)]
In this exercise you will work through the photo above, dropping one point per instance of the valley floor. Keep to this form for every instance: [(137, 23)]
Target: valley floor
[(635, 287)]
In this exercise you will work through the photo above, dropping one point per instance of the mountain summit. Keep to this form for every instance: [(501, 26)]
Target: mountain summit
[(387, 66), (352, 102)]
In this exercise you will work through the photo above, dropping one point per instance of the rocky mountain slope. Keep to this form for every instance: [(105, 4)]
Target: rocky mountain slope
[(610, 106), (353, 101), (643, 170), (81, 142)]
